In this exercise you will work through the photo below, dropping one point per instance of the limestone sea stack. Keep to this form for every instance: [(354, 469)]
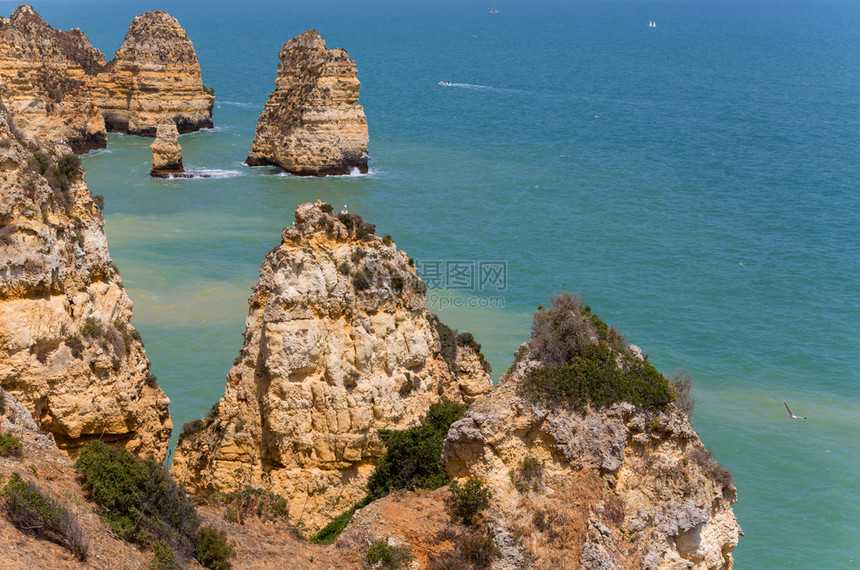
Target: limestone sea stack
[(614, 486), (68, 351), (44, 81), (338, 344), (312, 124), (166, 152), (154, 75), (59, 90)]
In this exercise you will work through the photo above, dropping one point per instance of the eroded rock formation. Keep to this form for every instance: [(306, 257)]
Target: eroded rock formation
[(59, 90), (338, 344), (68, 351), (154, 75), (312, 124), (166, 152), (44, 81), (619, 487)]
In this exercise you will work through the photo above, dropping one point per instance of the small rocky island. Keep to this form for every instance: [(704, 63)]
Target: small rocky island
[(166, 152), (312, 124)]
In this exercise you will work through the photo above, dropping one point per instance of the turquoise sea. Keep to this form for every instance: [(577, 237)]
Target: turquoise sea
[(697, 183)]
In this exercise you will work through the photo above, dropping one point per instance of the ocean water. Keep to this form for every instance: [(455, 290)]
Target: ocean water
[(697, 183)]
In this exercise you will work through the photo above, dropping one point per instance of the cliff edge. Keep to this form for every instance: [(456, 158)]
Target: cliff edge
[(68, 351), (338, 344), (312, 124)]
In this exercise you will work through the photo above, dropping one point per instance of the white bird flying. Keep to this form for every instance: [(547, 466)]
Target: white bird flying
[(791, 415)]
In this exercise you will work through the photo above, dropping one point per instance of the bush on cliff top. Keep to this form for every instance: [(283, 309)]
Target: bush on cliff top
[(142, 503), (586, 363)]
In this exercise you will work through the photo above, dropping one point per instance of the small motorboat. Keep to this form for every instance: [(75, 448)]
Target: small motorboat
[(443, 82)]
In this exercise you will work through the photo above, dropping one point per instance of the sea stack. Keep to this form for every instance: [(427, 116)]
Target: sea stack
[(312, 124), (68, 351), (44, 81), (154, 75), (166, 152), (338, 344)]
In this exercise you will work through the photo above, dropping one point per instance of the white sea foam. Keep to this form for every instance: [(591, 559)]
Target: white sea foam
[(214, 173), (237, 104)]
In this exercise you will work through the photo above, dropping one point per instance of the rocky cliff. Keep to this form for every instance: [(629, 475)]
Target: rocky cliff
[(68, 351), (154, 74), (338, 344), (312, 124), (44, 79), (58, 88), (611, 486)]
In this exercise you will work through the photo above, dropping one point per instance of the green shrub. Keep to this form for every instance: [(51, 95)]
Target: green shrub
[(527, 476), (76, 345), (447, 342), (10, 446), (682, 388), (192, 427), (327, 208), (163, 558), (139, 498), (412, 456), (382, 555), (91, 329), (721, 476), (41, 162), (356, 224), (343, 268), (332, 530), (251, 501), (99, 201), (469, 501), (32, 511), (397, 282), (361, 280), (411, 461), (212, 549), (386, 239), (587, 364)]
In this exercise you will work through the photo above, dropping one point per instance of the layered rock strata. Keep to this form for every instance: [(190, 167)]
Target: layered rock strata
[(619, 487), (312, 124), (45, 76), (166, 152), (154, 75), (68, 351), (338, 344), (59, 89)]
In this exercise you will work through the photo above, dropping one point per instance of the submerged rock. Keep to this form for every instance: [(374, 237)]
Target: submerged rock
[(68, 351), (312, 124), (166, 152), (338, 344)]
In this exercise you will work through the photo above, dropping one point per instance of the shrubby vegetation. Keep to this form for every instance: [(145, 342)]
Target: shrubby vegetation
[(143, 504), (251, 501), (411, 461), (586, 363), (468, 502), (30, 510), (528, 475), (382, 555), (10, 446), (450, 339)]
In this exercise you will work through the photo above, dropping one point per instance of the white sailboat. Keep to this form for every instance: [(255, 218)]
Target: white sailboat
[(652, 24), (495, 10)]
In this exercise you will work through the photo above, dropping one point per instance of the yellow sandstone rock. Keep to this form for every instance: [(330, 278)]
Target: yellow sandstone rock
[(166, 152), (68, 351), (312, 124), (338, 344)]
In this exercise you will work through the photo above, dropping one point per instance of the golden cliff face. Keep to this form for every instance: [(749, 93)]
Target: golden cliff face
[(44, 78), (338, 344), (58, 88), (154, 74), (623, 487), (68, 351), (312, 124), (166, 152)]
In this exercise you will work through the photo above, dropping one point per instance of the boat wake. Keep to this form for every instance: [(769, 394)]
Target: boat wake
[(237, 104), (475, 87)]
